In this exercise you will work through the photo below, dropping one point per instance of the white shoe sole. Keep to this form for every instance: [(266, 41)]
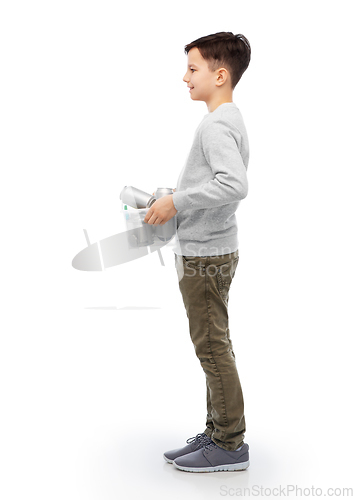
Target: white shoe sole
[(168, 460), (217, 468)]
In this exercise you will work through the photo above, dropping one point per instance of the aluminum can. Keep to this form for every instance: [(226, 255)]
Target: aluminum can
[(160, 192), (136, 198), (168, 230)]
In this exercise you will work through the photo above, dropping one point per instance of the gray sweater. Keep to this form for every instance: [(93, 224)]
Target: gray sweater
[(212, 184)]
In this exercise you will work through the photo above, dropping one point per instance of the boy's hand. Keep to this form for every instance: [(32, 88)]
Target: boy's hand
[(161, 211)]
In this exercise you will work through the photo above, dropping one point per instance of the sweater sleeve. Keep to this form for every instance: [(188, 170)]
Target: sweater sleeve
[(219, 142)]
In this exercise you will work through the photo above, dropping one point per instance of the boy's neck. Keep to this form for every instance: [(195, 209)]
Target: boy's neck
[(217, 101)]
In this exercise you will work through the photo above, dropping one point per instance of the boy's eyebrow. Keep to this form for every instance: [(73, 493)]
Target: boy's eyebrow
[(189, 65)]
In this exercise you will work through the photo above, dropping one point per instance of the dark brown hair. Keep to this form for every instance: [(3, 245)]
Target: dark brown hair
[(224, 49)]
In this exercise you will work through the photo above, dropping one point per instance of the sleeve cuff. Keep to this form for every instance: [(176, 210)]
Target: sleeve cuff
[(178, 199)]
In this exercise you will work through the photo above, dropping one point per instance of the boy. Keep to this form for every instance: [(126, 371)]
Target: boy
[(209, 190)]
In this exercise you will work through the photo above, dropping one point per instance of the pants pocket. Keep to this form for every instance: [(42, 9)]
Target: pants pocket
[(224, 277)]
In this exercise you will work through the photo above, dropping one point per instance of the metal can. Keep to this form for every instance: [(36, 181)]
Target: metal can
[(166, 231), (160, 192), (136, 198)]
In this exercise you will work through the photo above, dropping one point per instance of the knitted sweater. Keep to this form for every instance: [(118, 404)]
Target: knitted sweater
[(212, 184)]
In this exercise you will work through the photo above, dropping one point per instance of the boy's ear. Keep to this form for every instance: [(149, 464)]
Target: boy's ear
[(221, 76)]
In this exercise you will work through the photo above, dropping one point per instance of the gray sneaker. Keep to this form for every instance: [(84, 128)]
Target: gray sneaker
[(212, 458), (193, 444)]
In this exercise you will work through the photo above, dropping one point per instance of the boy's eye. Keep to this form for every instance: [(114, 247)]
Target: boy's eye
[(192, 70)]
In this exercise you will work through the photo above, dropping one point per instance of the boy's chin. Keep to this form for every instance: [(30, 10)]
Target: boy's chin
[(196, 98)]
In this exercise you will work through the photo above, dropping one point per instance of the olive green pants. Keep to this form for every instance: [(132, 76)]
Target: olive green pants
[(204, 283)]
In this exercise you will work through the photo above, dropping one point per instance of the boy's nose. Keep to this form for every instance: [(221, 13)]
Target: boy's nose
[(185, 79)]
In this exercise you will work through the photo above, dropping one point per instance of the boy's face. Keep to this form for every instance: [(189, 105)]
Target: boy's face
[(201, 81)]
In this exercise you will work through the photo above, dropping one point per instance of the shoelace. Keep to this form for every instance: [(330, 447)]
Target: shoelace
[(201, 438), (210, 446)]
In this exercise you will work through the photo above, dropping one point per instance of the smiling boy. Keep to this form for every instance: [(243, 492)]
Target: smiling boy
[(209, 190)]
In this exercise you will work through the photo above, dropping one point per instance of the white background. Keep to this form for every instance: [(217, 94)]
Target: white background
[(98, 374)]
